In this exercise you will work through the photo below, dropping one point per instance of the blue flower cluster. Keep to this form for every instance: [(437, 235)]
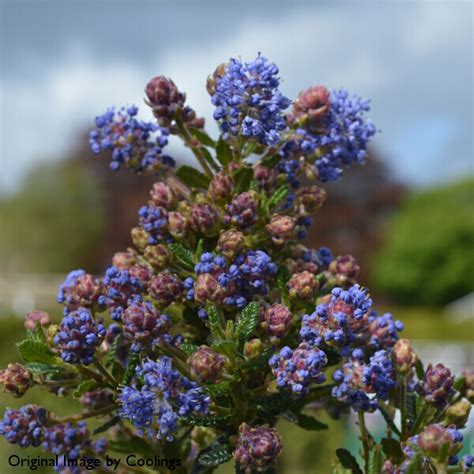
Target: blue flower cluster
[(67, 438), (165, 396), (248, 101), (246, 277), (79, 336), (383, 330), (120, 285), (25, 426), (154, 220), (69, 282), (134, 143), (297, 369), (340, 322), (361, 384)]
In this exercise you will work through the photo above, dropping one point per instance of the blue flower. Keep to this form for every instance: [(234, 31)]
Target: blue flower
[(24, 427), (134, 143), (248, 101), (79, 336), (154, 220)]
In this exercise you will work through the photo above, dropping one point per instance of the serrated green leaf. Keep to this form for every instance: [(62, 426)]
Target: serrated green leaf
[(223, 152), (192, 177), (37, 334), (107, 425), (243, 177), (420, 371), (188, 348), (393, 450), (375, 460), (218, 389), (113, 350), (388, 419), (41, 368), (214, 323), (83, 387), (183, 255), (218, 453), (199, 249), (207, 421), (35, 351), (247, 321), (278, 196), (411, 408), (348, 461), (133, 360), (202, 137)]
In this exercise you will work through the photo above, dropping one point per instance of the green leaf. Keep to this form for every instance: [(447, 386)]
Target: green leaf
[(218, 389), (113, 350), (189, 348), (309, 423), (83, 387), (107, 425), (414, 467), (35, 351), (133, 360), (420, 371), (207, 421), (37, 334), (247, 321), (183, 255), (243, 177), (348, 460), (133, 444), (192, 177), (278, 196), (214, 323), (338, 469), (411, 408), (223, 152), (388, 419), (41, 368), (202, 137), (199, 249), (375, 460), (459, 383), (393, 450), (270, 161), (217, 453)]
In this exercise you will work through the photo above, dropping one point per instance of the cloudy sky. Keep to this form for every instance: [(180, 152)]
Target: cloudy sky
[(64, 61)]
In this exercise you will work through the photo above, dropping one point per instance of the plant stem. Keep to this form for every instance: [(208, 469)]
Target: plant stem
[(188, 139), (364, 439), (403, 406), (106, 374), (419, 420), (84, 416)]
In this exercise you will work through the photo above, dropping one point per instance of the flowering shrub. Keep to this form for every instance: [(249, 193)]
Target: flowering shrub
[(219, 322)]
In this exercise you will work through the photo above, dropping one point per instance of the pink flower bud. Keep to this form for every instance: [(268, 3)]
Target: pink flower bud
[(310, 107), (157, 256), (345, 265), (458, 413), (124, 260), (141, 272), (403, 356), (231, 243), (468, 374), (257, 449), (178, 225), (303, 286), (281, 228), (277, 320), (253, 348), (165, 99), (437, 385), (242, 211), (221, 186), (140, 237), (207, 289), (163, 196), (204, 219), (165, 288), (37, 317), (433, 438), (206, 364), (16, 380), (265, 176), (309, 200)]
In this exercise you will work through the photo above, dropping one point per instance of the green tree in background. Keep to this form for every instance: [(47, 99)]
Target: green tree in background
[(54, 221), (428, 257)]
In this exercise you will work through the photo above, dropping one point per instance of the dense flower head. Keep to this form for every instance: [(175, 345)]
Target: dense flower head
[(303, 286), (206, 364), (143, 324), (277, 320), (342, 322), (133, 143), (242, 211), (297, 369), (437, 385), (361, 384), (248, 101), (165, 396), (383, 330), (16, 380), (79, 289), (257, 449), (231, 243), (67, 438), (120, 285), (165, 287), (24, 427), (154, 220), (79, 336)]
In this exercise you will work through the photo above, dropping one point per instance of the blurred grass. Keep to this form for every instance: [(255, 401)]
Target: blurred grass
[(304, 452)]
